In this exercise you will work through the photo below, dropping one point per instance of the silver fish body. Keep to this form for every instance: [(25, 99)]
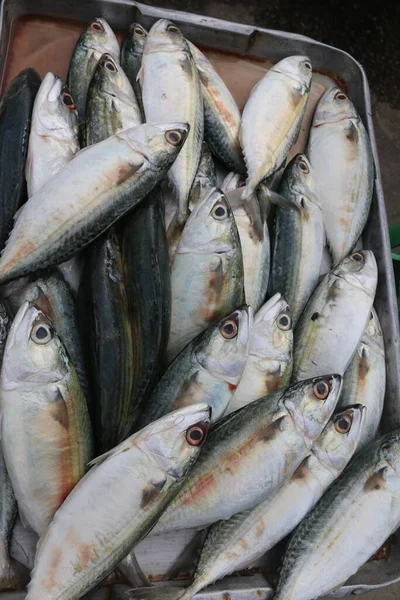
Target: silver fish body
[(299, 238), (235, 544), (171, 91), (93, 190), (97, 39), (365, 379), (341, 157), (221, 114), (131, 59), (207, 271), (139, 478), (208, 370), (347, 526), (53, 138), (272, 118), (43, 407), (269, 364), (335, 317), (251, 452)]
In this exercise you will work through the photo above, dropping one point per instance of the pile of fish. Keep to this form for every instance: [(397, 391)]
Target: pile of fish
[(187, 331)]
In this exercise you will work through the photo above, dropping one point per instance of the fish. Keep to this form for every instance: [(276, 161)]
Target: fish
[(221, 114), (131, 59), (205, 178), (272, 118), (364, 381), (299, 238), (15, 124), (340, 153), (208, 370), (148, 289), (232, 181), (269, 364), (5, 324), (251, 221), (86, 540), (45, 426), (207, 271), (332, 323), (54, 134), (97, 39), (111, 104), (13, 575), (104, 318), (251, 452), (171, 91), (347, 526), (237, 543), (92, 191), (52, 295)]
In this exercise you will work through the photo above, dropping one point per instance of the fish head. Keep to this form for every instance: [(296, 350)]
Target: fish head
[(211, 226), (55, 113), (100, 38), (298, 183), (224, 348), (138, 36), (175, 440), (359, 269), (298, 68), (272, 333), (310, 404), (339, 439), (334, 106), (159, 143), (34, 354), (165, 36), (112, 79)]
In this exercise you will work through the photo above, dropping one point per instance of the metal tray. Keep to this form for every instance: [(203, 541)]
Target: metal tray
[(275, 45)]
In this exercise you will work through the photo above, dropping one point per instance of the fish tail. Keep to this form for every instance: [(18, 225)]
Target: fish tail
[(13, 576), (132, 573), (156, 593)]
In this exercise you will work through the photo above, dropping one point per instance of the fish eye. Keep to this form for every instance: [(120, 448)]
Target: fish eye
[(196, 435), (138, 30), (109, 65), (303, 166), (97, 27), (219, 211), (343, 424), (229, 329), (357, 257), (284, 322), (41, 334), (173, 29), (308, 66), (174, 137), (321, 390), (340, 96), (68, 100)]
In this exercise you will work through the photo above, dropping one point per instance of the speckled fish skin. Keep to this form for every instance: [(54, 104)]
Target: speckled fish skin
[(53, 138), (250, 453), (207, 272), (235, 544), (205, 178), (171, 91), (221, 114), (146, 471), (365, 379), (97, 39), (335, 317), (269, 364), (15, 123), (299, 238), (45, 430), (208, 370), (81, 201), (251, 221), (348, 525), (272, 118), (111, 104), (341, 157), (131, 59)]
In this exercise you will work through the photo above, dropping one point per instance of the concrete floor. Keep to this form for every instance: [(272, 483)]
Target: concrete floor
[(371, 36)]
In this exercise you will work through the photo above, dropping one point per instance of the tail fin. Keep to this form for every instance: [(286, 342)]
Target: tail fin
[(131, 572), (153, 593)]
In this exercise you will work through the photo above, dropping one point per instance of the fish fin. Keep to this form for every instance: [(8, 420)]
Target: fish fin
[(386, 478), (153, 593), (139, 76), (351, 131), (132, 573), (17, 214), (281, 201), (174, 233), (24, 520), (122, 447), (190, 553), (58, 409), (152, 491), (13, 576)]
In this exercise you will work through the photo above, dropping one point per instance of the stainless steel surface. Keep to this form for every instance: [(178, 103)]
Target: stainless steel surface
[(262, 43)]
